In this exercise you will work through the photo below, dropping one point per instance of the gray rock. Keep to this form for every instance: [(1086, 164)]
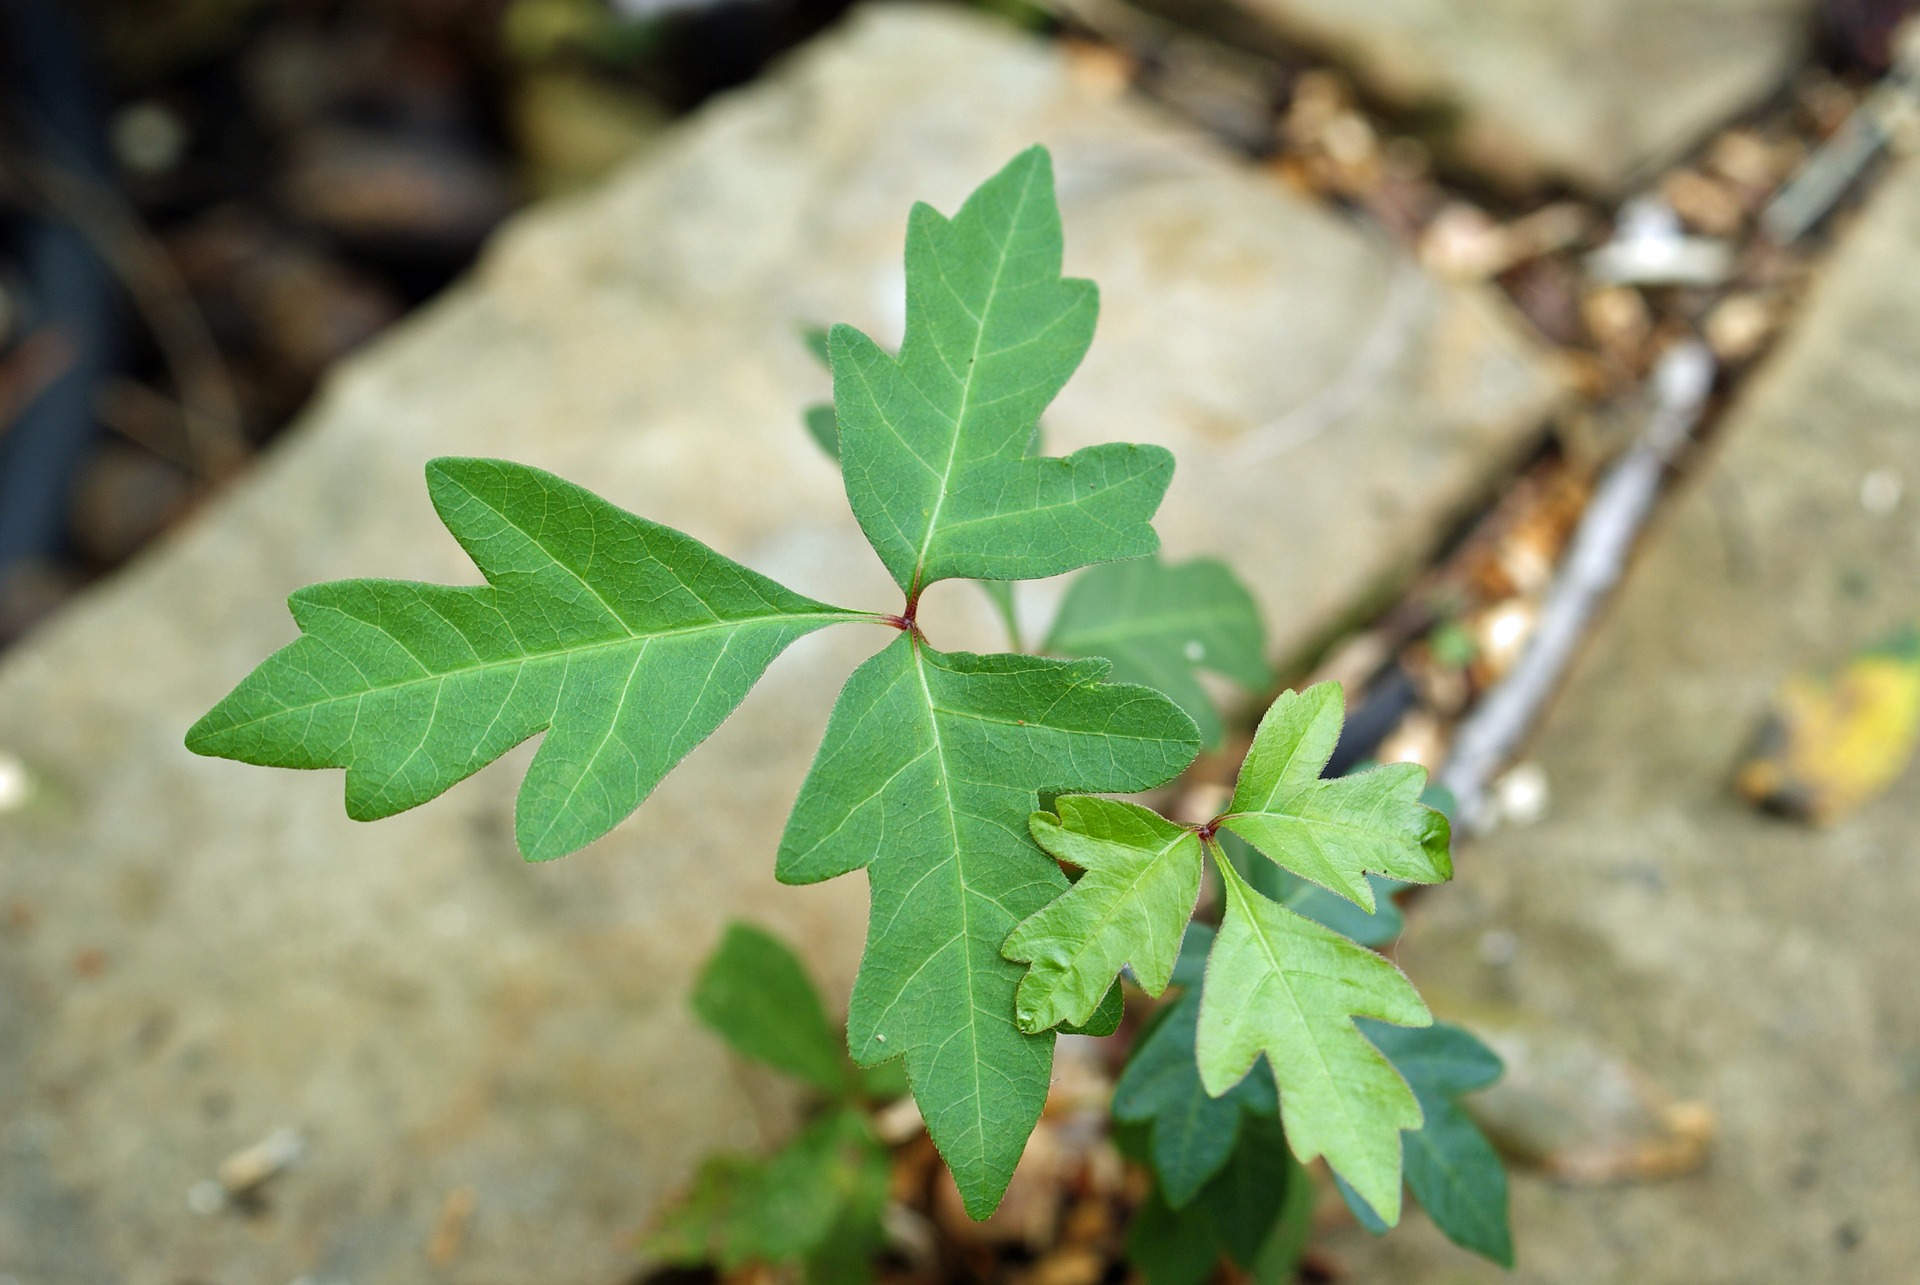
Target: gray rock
[(194, 953), (1754, 964), (1589, 90)]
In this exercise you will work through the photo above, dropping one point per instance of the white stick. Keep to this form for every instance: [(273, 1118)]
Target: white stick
[(1493, 733)]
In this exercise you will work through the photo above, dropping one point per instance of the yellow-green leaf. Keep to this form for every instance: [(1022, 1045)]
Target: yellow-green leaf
[(1282, 986), (1335, 832), (1131, 906)]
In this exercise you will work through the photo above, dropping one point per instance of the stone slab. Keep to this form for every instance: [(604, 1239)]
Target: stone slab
[(1589, 90), (1752, 963), (194, 953)]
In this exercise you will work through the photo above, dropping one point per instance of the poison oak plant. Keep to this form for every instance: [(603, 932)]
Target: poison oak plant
[(816, 1203), (626, 643)]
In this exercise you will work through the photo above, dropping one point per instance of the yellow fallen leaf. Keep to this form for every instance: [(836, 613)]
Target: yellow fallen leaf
[(1835, 741)]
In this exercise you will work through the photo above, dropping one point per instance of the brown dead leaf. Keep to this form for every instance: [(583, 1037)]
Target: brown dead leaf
[(1584, 1114)]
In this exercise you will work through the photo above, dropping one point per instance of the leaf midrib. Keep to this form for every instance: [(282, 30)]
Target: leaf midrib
[(1281, 781), (528, 658), (966, 910), (966, 389), (1243, 894)]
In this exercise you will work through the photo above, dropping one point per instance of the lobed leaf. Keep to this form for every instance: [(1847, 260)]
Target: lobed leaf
[(1333, 832), (1282, 986), (1132, 905), (935, 443), (931, 765), (625, 641), (1160, 624), (757, 996)]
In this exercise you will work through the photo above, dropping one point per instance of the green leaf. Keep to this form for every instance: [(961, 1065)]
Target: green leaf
[(1141, 883), (929, 770), (625, 641), (1279, 1260), (1452, 1169), (1243, 1213), (1193, 1132), (864, 1178), (698, 1229), (1281, 985), (1106, 1018), (884, 1083), (1171, 1246), (934, 443), (1333, 832), (1362, 1212), (818, 1199), (824, 428), (1385, 924), (1248, 1195), (756, 995), (1160, 624)]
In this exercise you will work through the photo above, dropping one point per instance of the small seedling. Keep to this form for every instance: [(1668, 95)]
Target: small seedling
[(626, 643)]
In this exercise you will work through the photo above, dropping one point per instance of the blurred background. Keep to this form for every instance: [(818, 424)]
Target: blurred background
[(1424, 295), (209, 203)]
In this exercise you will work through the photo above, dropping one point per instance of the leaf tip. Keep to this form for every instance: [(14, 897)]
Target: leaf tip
[(203, 737), (451, 468), (550, 843)]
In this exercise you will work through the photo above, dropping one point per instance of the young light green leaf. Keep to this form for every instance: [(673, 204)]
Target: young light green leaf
[(1193, 1132), (1159, 624), (929, 770), (934, 444), (818, 1201), (625, 641), (1452, 1169), (1333, 832), (757, 996), (1281, 985), (1131, 906), (1243, 1213)]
